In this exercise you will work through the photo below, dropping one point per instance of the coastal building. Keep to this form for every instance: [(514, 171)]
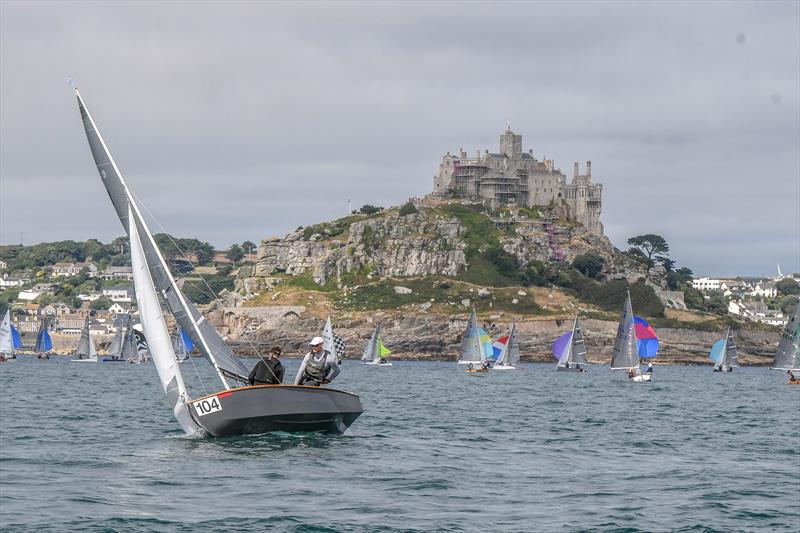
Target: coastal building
[(707, 284), (3, 265), (512, 177), (7, 282), (73, 269), (766, 290), (119, 293), (117, 272), (119, 309)]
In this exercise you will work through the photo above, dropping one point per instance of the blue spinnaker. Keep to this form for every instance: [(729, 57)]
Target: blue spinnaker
[(718, 351), (15, 337), (187, 341)]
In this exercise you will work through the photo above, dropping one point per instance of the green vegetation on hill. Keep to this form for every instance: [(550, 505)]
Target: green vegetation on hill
[(611, 295), (382, 295)]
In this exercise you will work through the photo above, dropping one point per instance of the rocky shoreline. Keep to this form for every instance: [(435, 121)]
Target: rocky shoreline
[(437, 337)]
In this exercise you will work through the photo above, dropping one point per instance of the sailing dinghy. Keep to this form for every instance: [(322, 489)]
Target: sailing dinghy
[(123, 345), (43, 342), (570, 350), (237, 409), (724, 355), (508, 358), (9, 338), (375, 352), (476, 347), (86, 351), (626, 350), (787, 356)]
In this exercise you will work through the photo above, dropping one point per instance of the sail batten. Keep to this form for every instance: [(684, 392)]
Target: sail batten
[(227, 365)]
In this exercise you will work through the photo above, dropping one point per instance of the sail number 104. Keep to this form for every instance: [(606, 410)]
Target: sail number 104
[(207, 405)]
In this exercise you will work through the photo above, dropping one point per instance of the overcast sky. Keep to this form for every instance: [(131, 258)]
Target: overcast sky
[(236, 121)]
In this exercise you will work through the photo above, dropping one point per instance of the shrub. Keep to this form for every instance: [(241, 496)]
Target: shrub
[(589, 264), (408, 209)]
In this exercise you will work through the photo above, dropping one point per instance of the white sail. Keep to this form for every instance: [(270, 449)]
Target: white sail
[(86, 350), (327, 338), (731, 355), (509, 356), (371, 349), (203, 334), (155, 328), (471, 350), (6, 339)]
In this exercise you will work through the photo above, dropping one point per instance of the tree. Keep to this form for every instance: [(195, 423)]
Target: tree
[(787, 304), (679, 278), (589, 264), (649, 245), (668, 263), (102, 303), (249, 247), (368, 209), (787, 286), (235, 253), (408, 209), (717, 303)]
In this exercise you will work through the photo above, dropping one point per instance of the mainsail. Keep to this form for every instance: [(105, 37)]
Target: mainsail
[(510, 355), (9, 337), (626, 353), (570, 348), (123, 345), (787, 357), (374, 351), (43, 342), (86, 349), (202, 333), (471, 350)]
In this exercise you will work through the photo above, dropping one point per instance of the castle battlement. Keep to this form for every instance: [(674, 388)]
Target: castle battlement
[(514, 177)]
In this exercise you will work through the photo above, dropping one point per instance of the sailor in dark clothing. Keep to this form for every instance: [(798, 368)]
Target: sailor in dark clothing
[(268, 371)]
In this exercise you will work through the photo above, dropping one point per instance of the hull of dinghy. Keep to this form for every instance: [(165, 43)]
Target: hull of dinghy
[(265, 408)]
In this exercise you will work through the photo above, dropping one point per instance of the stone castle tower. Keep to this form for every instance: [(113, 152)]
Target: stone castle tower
[(514, 177)]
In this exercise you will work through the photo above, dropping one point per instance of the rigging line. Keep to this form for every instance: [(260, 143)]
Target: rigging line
[(210, 291)]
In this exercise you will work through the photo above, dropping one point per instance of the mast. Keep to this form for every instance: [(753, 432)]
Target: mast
[(211, 344), (625, 354)]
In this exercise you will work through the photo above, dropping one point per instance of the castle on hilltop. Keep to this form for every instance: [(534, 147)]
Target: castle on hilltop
[(512, 177)]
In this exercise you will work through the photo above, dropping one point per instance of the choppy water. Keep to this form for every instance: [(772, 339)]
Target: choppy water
[(94, 448)]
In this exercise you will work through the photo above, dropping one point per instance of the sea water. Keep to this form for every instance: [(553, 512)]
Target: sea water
[(94, 447)]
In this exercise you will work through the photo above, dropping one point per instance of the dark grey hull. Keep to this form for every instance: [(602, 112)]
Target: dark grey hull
[(571, 369), (265, 408)]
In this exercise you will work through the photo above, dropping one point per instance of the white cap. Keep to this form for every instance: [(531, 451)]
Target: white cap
[(315, 341)]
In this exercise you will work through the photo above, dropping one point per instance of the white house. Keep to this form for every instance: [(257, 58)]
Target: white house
[(119, 293), (28, 295), (3, 265), (73, 269), (767, 290), (117, 272), (119, 309), (707, 284), (8, 281), (92, 296)]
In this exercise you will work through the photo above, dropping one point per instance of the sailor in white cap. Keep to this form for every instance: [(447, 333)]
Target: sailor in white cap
[(319, 366)]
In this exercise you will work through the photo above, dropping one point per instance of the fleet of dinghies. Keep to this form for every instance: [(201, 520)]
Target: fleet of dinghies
[(237, 409)]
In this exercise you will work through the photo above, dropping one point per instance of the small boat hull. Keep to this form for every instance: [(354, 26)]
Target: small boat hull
[(641, 378), (83, 360), (378, 364), (266, 408), (794, 382), (476, 370), (569, 369), (504, 367)]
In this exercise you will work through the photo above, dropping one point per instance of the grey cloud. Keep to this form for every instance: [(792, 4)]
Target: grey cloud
[(271, 115)]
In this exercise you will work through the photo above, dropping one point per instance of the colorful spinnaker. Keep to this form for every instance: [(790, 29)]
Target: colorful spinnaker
[(498, 346), (646, 338)]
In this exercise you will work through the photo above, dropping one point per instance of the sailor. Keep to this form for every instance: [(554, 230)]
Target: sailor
[(469, 367), (791, 375), (319, 366), (268, 371)]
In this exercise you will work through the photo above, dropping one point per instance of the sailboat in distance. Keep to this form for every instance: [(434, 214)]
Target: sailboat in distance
[(508, 358), (237, 409), (43, 342), (626, 350), (476, 347), (9, 338), (787, 356), (86, 351), (570, 350), (375, 352), (724, 355)]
